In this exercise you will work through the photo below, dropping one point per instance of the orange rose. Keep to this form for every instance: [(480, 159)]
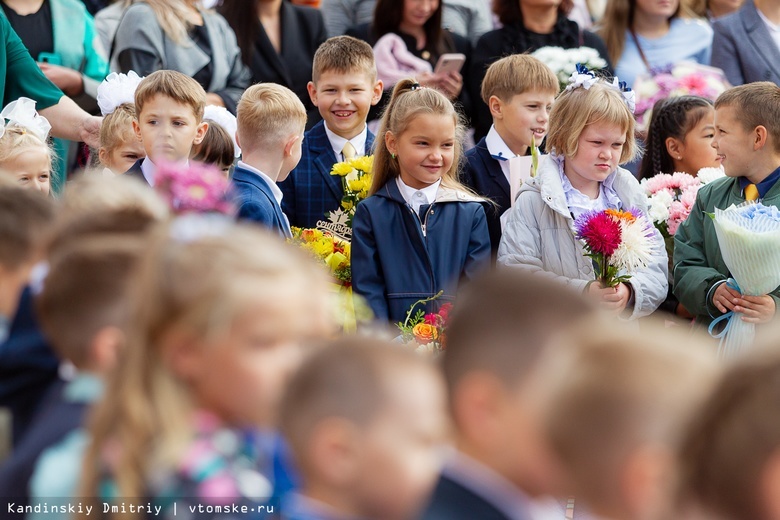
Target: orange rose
[(425, 333)]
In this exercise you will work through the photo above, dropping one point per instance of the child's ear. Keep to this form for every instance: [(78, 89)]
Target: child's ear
[(760, 137), (201, 133), (183, 356), (495, 105), (378, 90), (137, 131), (644, 476), (335, 445), (390, 142), (674, 148), (312, 88), (289, 145), (103, 155), (105, 348)]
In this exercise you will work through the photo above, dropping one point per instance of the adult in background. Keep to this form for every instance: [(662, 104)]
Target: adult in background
[(278, 41), (179, 35), (527, 26), (746, 44), (469, 18), (643, 35)]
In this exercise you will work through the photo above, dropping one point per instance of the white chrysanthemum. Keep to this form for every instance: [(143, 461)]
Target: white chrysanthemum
[(636, 246), (659, 206), (707, 175)]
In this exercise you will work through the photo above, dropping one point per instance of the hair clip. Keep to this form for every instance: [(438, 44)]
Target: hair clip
[(21, 113), (581, 77), (628, 94), (415, 86)]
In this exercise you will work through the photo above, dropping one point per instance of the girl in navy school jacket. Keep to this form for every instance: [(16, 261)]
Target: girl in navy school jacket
[(421, 231)]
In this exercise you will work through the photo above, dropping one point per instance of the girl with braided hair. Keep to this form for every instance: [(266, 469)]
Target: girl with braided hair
[(679, 138)]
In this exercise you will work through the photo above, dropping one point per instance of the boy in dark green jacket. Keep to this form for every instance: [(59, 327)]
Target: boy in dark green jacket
[(747, 137)]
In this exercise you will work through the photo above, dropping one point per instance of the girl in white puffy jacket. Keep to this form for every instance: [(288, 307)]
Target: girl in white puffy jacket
[(591, 132)]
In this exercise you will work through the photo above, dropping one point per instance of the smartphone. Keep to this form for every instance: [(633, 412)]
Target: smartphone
[(50, 57), (451, 62)]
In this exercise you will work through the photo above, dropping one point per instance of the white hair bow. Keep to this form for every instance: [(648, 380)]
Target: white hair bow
[(22, 113), (581, 77), (628, 94), (226, 120), (116, 90)]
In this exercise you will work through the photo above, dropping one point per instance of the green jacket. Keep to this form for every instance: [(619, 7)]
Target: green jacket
[(19, 74), (698, 264)]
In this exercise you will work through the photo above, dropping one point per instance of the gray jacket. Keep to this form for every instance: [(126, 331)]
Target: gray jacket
[(139, 30), (744, 49), (539, 236)]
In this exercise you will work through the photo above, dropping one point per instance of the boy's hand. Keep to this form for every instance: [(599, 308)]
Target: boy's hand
[(756, 309), (725, 298)]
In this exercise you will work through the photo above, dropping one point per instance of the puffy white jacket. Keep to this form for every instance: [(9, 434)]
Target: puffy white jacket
[(538, 235)]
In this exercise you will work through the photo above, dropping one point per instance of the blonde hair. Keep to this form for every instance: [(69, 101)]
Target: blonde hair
[(16, 140), (87, 193), (191, 283), (116, 126), (174, 85), (172, 15), (408, 101), (267, 115), (516, 74), (613, 391), (579, 107), (343, 54)]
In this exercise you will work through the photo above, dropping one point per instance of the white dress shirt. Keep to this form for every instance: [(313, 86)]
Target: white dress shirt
[(416, 198), (498, 149), (337, 142)]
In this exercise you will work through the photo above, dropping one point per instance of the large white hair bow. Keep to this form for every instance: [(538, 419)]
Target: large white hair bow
[(22, 113), (116, 90), (226, 120)]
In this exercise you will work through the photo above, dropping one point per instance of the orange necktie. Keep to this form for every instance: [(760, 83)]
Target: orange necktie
[(751, 192)]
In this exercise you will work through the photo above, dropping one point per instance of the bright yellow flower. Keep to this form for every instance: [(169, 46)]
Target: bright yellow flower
[(336, 261), (341, 169), (358, 185), (323, 247), (347, 205), (364, 163)]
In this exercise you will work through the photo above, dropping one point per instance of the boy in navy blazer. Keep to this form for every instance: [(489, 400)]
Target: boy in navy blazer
[(271, 122), (344, 86), (519, 90)]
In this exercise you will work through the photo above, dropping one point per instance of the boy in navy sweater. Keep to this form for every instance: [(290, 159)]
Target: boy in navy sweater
[(519, 90)]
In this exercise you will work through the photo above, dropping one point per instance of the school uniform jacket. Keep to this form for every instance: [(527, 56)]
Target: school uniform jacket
[(256, 202), (400, 257), (453, 501), (136, 172), (484, 175), (310, 191)]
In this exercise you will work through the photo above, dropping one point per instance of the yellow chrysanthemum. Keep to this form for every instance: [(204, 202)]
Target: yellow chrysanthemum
[(364, 163), (347, 205), (341, 169), (358, 185)]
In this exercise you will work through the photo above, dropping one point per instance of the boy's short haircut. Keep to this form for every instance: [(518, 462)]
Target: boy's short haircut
[(755, 104), (26, 217), (85, 291), (502, 323), (267, 115), (615, 391), (732, 438), (174, 85), (351, 379), (89, 193), (344, 55), (516, 74)]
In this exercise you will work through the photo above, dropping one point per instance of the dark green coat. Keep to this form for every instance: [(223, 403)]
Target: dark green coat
[(698, 264)]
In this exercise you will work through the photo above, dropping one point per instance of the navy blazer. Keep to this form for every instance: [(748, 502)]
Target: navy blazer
[(452, 501), (256, 202), (483, 174), (395, 263), (310, 191), (743, 47), (136, 172)]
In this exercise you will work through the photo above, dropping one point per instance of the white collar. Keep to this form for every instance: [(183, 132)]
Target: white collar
[(496, 145), (408, 193), (148, 168), (271, 184), (337, 142), (488, 484)]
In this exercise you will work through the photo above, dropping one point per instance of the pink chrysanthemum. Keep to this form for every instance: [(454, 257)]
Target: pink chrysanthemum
[(600, 232)]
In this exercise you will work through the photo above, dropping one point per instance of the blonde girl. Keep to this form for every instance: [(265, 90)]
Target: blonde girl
[(25, 154), (119, 149), (221, 313), (420, 232), (591, 132)]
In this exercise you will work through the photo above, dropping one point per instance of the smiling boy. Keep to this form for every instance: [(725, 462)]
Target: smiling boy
[(747, 138), (169, 120), (344, 86)]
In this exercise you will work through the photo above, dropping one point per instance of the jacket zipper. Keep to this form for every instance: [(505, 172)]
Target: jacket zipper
[(424, 228)]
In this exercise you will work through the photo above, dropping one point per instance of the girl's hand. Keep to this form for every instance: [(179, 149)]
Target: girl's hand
[(68, 80), (614, 299), (451, 84), (756, 309)]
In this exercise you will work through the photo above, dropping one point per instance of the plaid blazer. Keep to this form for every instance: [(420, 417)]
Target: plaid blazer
[(310, 191)]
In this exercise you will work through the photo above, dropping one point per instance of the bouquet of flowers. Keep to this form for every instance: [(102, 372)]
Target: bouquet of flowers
[(749, 240), (333, 252), (356, 178), (563, 62), (193, 188), (671, 197), (427, 332), (680, 79), (619, 243)]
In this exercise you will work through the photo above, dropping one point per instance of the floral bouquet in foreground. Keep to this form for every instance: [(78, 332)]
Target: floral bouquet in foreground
[(619, 243), (749, 240), (427, 332), (193, 188), (332, 251), (356, 179), (563, 62), (681, 79)]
